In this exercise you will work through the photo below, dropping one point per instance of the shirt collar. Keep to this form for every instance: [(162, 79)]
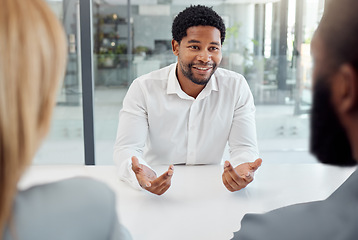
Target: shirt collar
[(173, 83), (174, 86)]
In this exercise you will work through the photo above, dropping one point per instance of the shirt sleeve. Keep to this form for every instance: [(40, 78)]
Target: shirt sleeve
[(242, 138), (131, 134)]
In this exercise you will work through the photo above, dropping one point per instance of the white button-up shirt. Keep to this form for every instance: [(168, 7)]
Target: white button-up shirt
[(160, 124)]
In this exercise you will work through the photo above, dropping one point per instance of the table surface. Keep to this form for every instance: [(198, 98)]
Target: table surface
[(197, 205)]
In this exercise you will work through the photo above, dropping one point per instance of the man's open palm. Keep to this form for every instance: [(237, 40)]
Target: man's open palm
[(239, 177), (148, 180)]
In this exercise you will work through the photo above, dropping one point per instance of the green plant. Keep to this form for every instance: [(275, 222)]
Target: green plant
[(141, 49), (106, 58), (121, 49), (233, 31)]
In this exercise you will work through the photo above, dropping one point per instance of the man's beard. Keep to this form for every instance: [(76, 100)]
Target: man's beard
[(328, 141), (188, 73)]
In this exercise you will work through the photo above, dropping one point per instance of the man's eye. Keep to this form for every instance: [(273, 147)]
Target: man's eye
[(194, 47)]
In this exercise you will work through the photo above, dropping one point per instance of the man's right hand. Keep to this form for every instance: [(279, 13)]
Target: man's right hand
[(148, 180)]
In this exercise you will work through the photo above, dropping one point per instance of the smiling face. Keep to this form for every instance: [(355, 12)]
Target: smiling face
[(199, 54)]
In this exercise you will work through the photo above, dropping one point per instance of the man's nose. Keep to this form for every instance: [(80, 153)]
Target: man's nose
[(204, 56)]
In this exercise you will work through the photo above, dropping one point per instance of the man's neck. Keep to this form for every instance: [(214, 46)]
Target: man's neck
[(352, 132), (354, 143), (190, 88)]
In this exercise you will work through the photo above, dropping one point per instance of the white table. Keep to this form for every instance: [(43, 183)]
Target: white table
[(197, 205)]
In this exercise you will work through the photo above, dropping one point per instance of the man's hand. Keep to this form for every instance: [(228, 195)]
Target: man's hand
[(239, 177), (148, 180)]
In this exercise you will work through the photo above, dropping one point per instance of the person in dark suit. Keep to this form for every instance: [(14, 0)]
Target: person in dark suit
[(32, 62), (334, 137)]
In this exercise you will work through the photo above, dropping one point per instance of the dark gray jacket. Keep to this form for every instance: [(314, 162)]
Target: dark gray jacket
[(73, 209), (334, 218)]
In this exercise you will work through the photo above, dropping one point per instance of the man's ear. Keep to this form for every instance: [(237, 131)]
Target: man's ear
[(175, 47), (345, 89)]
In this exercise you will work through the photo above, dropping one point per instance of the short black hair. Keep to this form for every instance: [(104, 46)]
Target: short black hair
[(197, 15)]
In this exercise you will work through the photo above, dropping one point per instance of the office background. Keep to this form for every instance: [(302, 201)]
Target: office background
[(267, 41)]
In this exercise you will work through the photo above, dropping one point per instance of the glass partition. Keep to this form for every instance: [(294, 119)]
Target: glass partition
[(267, 42), (64, 144)]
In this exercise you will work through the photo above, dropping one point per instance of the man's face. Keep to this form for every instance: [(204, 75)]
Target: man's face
[(199, 54), (329, 141)]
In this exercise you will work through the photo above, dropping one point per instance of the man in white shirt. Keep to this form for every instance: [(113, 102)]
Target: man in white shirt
[(187, 112)]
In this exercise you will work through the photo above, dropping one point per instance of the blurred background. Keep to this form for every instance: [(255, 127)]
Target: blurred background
[(267, 41)]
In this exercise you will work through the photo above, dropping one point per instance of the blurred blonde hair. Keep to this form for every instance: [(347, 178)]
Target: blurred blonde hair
[(33, 53)]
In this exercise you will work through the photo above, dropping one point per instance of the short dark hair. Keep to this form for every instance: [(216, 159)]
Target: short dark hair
[(197, 15), (338, 31)]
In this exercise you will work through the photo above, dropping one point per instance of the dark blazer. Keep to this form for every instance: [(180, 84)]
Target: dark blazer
[(334, 218), (73, 209)]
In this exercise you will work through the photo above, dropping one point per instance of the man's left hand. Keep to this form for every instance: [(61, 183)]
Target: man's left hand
[(239, 177)]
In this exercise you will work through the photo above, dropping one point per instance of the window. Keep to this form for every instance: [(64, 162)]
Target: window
[(64, 144), (267, 41)]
